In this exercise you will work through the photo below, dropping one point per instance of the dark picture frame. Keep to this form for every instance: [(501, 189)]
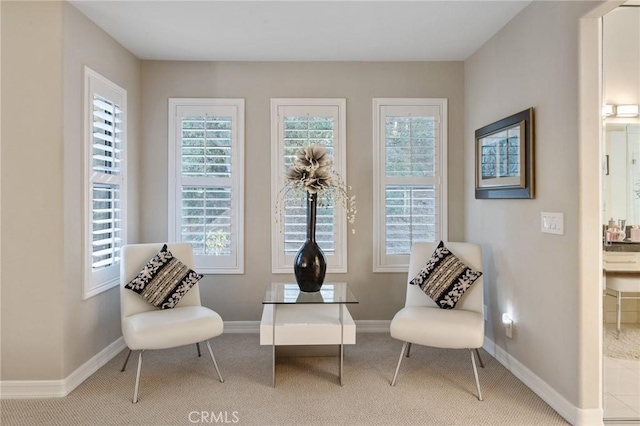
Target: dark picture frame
[(504, 166)]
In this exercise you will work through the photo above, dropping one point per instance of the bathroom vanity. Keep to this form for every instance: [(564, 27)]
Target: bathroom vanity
[(621, 266)]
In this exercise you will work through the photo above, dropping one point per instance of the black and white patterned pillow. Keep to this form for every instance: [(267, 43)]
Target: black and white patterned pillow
[(164, 280), (445, 278)]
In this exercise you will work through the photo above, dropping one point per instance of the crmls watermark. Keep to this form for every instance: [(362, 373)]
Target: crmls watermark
[(220, 417)]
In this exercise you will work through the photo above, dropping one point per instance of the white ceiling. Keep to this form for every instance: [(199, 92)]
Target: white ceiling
[(301, 30)]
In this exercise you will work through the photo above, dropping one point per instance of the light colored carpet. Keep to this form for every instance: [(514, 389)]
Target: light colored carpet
[(435, 387), (623, 345)]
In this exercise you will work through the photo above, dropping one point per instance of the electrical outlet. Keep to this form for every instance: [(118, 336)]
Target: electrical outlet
[(508, 329), (552, 223), (508, 325)]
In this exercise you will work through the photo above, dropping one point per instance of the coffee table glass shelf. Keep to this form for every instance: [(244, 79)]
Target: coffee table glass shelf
[(292, 317)]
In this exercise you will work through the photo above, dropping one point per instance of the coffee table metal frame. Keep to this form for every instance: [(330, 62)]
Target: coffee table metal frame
[(290, 294)]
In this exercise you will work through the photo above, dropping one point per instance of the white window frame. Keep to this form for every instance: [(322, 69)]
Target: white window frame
[(383, 262), (282, 263), (233, 264), (98, 281)]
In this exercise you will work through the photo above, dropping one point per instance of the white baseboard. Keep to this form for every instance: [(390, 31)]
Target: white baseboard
[(373, 326), (574, 415), (364, 326), (25, 389), (593, 417), (232, 327)]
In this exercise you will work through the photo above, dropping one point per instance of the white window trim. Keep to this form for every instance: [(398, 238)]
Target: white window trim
[(98, 282), (280, 262), (400, 263), (237, 180)]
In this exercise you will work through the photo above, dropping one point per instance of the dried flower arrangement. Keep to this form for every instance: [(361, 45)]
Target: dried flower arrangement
[(312, 172)]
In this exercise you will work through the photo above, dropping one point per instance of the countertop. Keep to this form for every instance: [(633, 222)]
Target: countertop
[(622, 246)]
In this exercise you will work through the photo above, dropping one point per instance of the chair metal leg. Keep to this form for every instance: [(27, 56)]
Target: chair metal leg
[(479, 359), (214, 362), (402, 352), (408, 349), (135, 390), (475, 373), (618, 310), (198, 346), (126, 360)]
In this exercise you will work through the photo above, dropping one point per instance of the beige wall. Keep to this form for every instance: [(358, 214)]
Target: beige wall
[(90, 325), (533, 62), (48, 331), (239, 297), (32, 258), (621, 56)]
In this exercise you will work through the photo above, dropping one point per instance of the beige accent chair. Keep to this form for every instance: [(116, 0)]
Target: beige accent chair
[(422, 322), (146, 327)]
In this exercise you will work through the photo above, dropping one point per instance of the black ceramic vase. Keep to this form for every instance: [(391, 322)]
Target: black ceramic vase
[(310, 266)]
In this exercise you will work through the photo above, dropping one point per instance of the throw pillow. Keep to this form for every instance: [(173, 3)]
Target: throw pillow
[(164, 280), (445, 278)]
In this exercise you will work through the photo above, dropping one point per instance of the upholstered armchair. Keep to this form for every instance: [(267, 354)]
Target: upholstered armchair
[(145, 326), (423, 322)]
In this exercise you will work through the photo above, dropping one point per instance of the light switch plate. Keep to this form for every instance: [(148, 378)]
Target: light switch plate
[(552, 223)]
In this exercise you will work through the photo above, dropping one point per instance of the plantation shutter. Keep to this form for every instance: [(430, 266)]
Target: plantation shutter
[(409, 179), (206, 183), (297, 123), (106, 181), (411, 152), (301, 131)]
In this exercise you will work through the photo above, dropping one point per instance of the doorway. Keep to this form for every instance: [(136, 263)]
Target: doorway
[(620, 210)]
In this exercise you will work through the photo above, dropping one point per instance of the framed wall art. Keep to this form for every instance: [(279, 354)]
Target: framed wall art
[(504, 158)]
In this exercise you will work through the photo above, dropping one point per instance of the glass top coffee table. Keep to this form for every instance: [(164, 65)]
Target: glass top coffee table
[(283, 293), (293, 317)]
